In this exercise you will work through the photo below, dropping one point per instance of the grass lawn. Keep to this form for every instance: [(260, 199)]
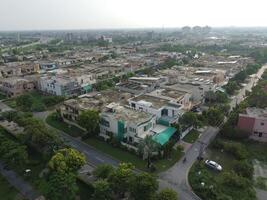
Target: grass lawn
[(191, 137), (125, 156), (72, 130), (8, 192)]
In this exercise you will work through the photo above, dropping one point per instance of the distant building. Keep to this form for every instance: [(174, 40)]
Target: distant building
[(15, 86), (255, 122)]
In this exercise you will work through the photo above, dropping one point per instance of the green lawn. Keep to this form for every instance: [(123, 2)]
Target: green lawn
[(72, 130), (191, 137), (125, 156), (7, 192)]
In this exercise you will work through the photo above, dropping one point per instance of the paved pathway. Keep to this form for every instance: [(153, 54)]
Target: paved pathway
[(22, 186)]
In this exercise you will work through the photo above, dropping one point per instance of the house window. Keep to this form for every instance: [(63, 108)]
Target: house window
[(262, 124)]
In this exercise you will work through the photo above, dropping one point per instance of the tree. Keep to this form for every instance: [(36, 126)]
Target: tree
[(62, 184), (244, 168), (143, 186), (25, 101), (103, 171), (102, 190), (67, 160), (210, 96), (167, 194), (221, 97), (37, 134), (90, 121), (120, 179), (231, 87), (146, 147), (189, 119), (214, 116)]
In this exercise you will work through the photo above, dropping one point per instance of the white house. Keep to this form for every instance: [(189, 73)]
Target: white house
[(130, 126), (62, 85), (165, 110)]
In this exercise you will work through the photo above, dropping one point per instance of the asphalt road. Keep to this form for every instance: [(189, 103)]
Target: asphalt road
[(176, 176), (93, 156), (22, 186), (236, 99)]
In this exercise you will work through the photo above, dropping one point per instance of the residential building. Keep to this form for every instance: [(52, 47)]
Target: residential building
[(254, 122), (72, 108), (16, 86), (130, 126), (64, 85), (166, 110)]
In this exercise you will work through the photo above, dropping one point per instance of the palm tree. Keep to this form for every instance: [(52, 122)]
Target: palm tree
[(147, 146)]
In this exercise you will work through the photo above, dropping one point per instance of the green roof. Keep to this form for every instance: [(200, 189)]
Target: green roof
[(164, 136)]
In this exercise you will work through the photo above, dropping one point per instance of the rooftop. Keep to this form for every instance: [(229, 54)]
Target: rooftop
[(127, 114), (257, 112), (152, 101)]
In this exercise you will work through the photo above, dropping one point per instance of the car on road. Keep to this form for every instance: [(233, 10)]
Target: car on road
[(213, 165)]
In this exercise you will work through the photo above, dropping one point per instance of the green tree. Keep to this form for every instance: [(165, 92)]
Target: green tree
[(120, 179), (67, 160), (24, 101), (214, 116), (146, 147), (102, 190), (143, 186), (244, 168), (62, 184), (167, 194), (189, 119), (90, 121), (103, 171)]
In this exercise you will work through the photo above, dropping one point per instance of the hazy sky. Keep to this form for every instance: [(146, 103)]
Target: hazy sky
[(94, 14)]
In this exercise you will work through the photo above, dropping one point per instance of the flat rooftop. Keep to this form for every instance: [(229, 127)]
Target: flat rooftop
[(155, 102), (257, 112), (170, 93), (128, 114)]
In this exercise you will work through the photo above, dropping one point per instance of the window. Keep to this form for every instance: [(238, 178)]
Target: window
[(104, 122), (262, 124)]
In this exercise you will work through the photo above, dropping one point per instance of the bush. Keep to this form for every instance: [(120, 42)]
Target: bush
[(236, 149), (244, 168), (38, 107)]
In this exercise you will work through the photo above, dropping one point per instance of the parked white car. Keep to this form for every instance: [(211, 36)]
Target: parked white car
[(213, 165)]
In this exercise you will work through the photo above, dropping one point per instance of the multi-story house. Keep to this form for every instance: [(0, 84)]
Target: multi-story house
[(15, 86), (167, 111), (63, 85), (254, 122), (130, 126)]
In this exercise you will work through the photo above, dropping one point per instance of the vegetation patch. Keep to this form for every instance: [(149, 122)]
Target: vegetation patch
[(72, 130), (191, 137)]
